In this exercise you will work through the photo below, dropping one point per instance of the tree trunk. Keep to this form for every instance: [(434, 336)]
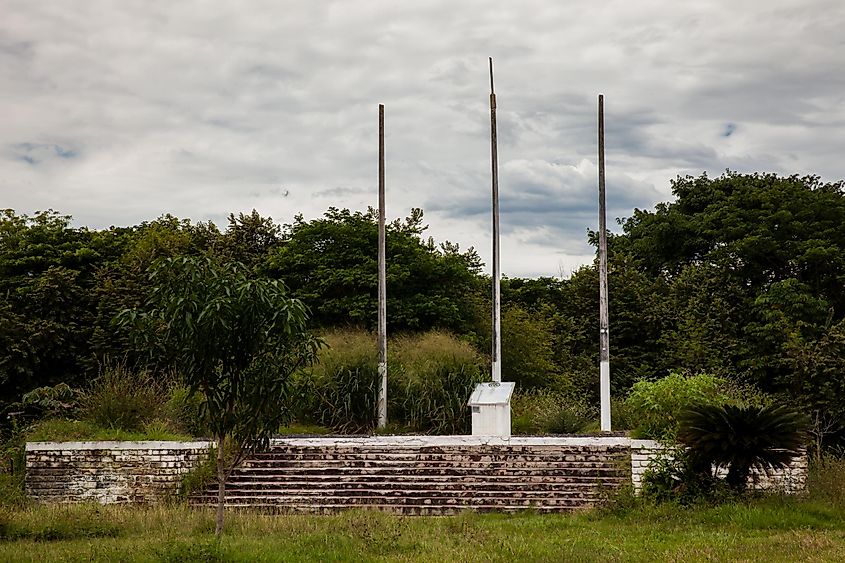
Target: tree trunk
[(221, 487), (737, 477)]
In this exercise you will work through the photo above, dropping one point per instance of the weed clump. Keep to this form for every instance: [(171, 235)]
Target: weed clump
[(123, 399), (546, 411)]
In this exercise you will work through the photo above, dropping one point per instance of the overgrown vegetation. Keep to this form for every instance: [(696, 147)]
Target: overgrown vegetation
[(543, 411), (729, 296), (709, 424), (656, 407), (430, 378), (122, 399), (773, 528)]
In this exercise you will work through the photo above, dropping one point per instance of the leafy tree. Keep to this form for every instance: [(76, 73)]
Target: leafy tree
[(123, 281), (702, 319), (236, 339), (742, 438), (533, 294), (753, 265), (527, 354), (250, 238), (331, 264), (636, 306), (46, 280), (819, 381)]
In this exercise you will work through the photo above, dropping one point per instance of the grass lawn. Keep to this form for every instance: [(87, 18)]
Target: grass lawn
[(771, 529)]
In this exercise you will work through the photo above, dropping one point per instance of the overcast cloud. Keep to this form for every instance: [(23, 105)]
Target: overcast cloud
[(117, 112)]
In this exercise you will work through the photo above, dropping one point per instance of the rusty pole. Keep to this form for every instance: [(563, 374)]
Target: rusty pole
[(604, 334), (497, 337), (382, 280)]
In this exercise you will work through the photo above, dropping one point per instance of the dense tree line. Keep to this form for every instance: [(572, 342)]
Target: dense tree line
[(62, 287), (740, 276)]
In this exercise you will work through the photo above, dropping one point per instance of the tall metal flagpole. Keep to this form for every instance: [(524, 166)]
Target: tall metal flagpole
[(604, 334), (382, 281), (497, 339)]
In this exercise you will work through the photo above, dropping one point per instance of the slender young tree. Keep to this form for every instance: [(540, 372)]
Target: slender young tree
[(236, 340)]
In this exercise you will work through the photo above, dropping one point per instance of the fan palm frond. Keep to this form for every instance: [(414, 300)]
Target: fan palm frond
[(743, 438)]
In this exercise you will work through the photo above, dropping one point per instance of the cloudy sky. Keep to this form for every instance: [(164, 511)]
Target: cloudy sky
[(118, 111)]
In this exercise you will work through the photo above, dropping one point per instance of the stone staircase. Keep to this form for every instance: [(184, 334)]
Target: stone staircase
[(443, 477)]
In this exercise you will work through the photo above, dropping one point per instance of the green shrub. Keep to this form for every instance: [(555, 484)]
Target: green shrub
[(656, 406), (122, 399), (622, 416), (527, 350), (12, 492), (826, 481), (161, 429), (59, 400), (12, 470), (200, 477), (543, 411), (676, 476)]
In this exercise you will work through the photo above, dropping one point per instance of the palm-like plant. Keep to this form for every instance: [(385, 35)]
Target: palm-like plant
[(743, 438)]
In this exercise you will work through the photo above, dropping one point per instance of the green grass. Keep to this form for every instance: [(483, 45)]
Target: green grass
[(765, 528), (770, 529), (63, 430)]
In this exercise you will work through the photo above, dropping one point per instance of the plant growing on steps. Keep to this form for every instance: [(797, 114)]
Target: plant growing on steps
[(743, 438), (236, 339)]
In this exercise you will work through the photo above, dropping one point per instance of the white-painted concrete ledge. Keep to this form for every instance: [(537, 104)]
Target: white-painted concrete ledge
[(403, 441), (423, 441), (117, 445)]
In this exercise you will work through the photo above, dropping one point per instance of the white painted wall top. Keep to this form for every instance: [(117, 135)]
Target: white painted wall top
[(422, 441), (118, 445), (492, 393), (352, 441)]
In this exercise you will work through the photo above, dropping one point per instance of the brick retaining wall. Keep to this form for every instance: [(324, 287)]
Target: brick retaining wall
[(408, 474), (792, 479), (108, 472)]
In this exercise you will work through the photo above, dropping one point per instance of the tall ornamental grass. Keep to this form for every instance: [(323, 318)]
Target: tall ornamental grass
[(435, 374), (430, 378)]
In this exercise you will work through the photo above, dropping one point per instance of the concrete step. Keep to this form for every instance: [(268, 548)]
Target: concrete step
[(431, 480), (377, 469), (466, 449), (283, 455), (366, 501), (405, 510), (414, 485), (455, 461), (425, 480), (410, 488)]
